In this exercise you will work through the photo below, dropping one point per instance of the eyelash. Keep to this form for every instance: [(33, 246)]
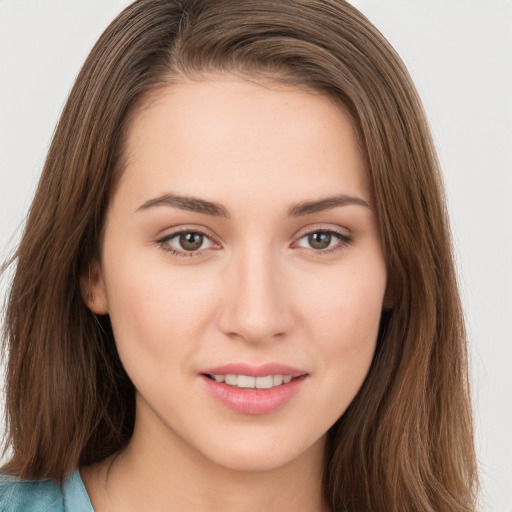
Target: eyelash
[(343, 240), (163, 243)]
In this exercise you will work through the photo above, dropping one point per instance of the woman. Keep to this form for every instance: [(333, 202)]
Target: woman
[(235, 289)]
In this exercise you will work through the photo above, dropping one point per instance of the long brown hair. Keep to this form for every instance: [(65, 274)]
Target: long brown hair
[(406, 441)]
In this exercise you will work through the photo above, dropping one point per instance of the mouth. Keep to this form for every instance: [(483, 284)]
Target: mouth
[(251, 382), (252, 389)]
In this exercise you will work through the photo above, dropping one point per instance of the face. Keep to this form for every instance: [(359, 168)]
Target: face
[(242, 269)]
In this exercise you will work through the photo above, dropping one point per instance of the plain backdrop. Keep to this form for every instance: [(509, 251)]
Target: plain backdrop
[(459, 53)]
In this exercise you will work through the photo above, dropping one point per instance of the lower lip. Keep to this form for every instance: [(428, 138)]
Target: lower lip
[(254, 401)]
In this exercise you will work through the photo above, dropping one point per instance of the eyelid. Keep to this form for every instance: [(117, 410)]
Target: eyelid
[(313, 228), (343, 237), (162, 239)]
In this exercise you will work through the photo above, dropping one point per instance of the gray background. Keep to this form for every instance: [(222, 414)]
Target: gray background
[(459, 53)]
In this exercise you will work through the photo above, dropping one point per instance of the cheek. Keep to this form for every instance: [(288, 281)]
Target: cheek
[(154, 311), (347, 310), (344, 319)]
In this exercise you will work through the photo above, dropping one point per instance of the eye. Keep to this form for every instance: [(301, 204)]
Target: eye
[(324, 240), (186, 243)]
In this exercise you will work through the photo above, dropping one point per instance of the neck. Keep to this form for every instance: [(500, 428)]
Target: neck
[(158, 471)]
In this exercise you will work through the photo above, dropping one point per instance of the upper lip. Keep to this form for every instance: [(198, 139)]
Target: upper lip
[(252, 370)]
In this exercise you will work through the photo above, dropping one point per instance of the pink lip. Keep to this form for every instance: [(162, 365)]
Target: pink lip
[(254, 401), (254, 370)]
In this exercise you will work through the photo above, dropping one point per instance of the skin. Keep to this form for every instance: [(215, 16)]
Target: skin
[(256, 291)]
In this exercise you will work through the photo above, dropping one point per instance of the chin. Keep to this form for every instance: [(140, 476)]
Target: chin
[(265, 454)]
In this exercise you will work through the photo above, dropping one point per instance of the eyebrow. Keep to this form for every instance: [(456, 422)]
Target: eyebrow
[(214, 209), (192, 204), (328, 203)]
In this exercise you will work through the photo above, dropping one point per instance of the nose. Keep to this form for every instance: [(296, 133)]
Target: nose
[(256, 304)]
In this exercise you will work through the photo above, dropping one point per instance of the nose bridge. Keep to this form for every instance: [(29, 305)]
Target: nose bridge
[(256, 307)]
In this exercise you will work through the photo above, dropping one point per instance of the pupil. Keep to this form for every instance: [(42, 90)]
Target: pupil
[(191, 241), (319, 240)]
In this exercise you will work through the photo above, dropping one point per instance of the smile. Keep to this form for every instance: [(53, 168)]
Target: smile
[(245, 397), (250, 382)]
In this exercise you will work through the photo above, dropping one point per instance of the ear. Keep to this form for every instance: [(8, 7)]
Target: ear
[(93, 288)]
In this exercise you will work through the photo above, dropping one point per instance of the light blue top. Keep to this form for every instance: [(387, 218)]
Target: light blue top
[(44, 495)]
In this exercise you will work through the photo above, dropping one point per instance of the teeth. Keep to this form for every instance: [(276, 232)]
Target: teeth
[(246, 381), (264, 382), (277, 380), (232, 380)]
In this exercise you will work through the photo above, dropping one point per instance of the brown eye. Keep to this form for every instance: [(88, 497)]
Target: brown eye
[(190, 241), (186, 243), (324, 241), (320, 239)]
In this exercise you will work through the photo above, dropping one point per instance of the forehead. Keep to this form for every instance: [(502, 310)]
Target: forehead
[(219, 131)]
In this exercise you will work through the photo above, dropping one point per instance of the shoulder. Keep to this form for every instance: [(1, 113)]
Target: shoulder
[(30, 496), (44, 495)]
